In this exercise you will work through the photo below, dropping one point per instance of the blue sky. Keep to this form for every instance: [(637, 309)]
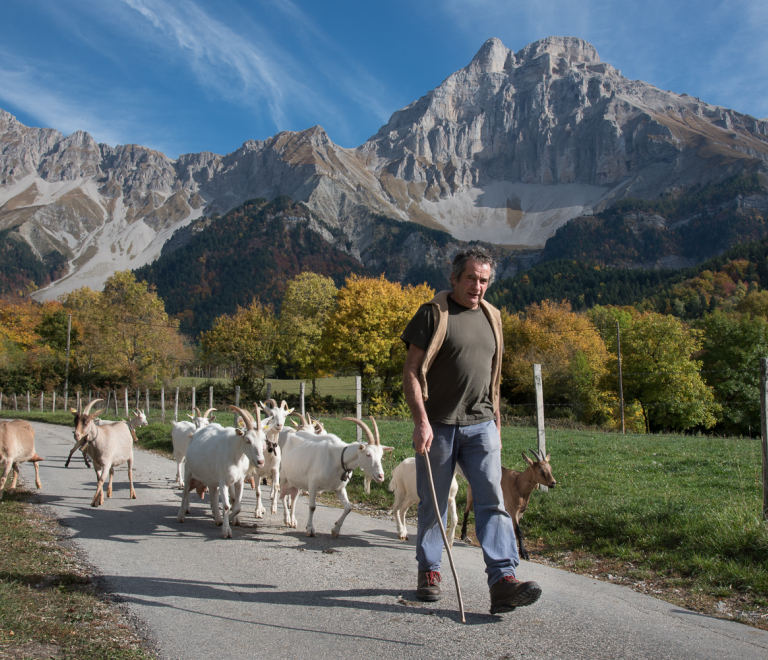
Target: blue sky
[(185, 76)]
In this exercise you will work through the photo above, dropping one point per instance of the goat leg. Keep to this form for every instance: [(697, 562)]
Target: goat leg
[(521, 547), (16, 471)]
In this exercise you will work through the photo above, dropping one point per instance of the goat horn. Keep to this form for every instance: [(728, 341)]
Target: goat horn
[(90, 405), (284, 405), (245, 415), (301, 417), (376, 430), (364, 426), (209, 411), (536, 455), (197, 410)]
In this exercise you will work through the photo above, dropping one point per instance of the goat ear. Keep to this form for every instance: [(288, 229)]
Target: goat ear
[(363, 446), (526, 459), (73, 411), (547, 458), (387, 449), (239, 431)]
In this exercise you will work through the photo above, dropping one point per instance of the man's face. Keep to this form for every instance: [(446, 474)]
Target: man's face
[(470, 287)]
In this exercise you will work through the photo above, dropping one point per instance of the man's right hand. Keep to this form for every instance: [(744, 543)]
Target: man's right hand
[(422, 438)]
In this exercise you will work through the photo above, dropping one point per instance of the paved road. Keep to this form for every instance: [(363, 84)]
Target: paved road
[(272, 592)]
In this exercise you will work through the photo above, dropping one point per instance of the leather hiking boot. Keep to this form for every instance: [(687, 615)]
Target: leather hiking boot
[(428, 588), (509, 593)]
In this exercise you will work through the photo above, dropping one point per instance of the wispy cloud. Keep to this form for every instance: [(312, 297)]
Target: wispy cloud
[(36, 91)]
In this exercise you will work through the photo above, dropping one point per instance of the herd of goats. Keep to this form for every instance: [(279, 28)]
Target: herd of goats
[(296, 458)]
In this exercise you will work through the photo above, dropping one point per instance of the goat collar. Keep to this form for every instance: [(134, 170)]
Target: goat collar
[(271, 446), (346, 474)]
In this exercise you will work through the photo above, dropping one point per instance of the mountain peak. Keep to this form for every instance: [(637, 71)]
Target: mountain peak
[(491, 58), (572, 49)]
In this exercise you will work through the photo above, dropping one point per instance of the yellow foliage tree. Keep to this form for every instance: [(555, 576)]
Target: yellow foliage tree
[(363, 332), (125, 334), (571, 353)]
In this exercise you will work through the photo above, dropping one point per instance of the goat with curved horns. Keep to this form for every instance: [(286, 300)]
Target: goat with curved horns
[(517, 488), (108, 446), (219, 457), (318, 463)]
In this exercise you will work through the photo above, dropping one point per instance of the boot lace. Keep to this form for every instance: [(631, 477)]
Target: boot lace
[(433, 577)]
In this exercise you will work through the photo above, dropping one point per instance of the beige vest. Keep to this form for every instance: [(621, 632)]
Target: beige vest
[(440, 309)]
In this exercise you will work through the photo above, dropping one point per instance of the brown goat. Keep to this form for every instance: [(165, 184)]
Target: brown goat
[(108, 446), (17, 445), (517, 488)]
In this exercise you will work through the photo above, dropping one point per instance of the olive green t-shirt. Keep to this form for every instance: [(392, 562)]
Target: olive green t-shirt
[(459, 380)]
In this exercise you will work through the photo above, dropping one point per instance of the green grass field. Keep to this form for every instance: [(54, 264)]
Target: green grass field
[(683, 508)]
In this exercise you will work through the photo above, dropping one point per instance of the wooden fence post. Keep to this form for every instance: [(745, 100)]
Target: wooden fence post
[(542, 439), (621, 385), (269, 390), (764, 430), (146, 402), (29, 407), (210, 396), (176, 407), (117, 411), (126, 402), (53, 405), (301, 398), (15, 402), (237, 401), (194, 401), (162, 405), (1, 400), (359, 405), (41, 401)]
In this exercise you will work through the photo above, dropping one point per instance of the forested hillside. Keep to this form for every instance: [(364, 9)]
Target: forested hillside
[(700, 224), (686, 293), (21, 270), (248, 254)]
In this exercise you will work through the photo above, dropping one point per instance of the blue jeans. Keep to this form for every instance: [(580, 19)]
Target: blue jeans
[(477, 449)]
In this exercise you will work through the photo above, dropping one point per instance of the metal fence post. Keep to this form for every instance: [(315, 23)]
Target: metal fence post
[(542, 439)]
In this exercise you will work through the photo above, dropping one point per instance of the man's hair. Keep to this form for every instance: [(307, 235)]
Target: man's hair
[(476, 253)]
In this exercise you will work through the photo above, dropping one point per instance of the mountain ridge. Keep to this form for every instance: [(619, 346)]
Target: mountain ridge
[(506, 150)]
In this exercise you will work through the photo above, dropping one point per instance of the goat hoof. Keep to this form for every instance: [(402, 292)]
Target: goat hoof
[(403, 537), (311, 533)]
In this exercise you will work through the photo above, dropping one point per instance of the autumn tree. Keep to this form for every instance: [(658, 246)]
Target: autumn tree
[(308, 302), (248, 340), (125, 334), (660, 375), (362, 334), (570, 351)]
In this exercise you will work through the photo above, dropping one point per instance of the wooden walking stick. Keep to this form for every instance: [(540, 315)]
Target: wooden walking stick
[(445, 538)]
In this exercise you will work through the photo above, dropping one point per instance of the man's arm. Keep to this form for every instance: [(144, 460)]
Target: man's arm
[(422, 430)]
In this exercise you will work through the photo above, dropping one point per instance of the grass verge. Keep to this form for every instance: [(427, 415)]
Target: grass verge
[(50, 603)]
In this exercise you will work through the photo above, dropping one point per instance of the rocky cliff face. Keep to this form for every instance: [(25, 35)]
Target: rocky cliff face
[(506, 151)]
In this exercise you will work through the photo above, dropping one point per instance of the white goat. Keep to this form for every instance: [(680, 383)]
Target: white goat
[(277, 416), (324, 463), (403, 485), (17, 445), (108, 446), (218, 458), (181, 434)]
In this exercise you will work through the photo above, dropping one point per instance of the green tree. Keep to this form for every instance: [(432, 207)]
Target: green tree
[(249, 341), (308, 302), (732, 348), (661, 376)]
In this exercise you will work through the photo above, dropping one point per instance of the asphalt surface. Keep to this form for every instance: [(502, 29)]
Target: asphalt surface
[(274, 593)]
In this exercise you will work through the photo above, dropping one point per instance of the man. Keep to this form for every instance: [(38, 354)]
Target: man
[(451, 381)]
